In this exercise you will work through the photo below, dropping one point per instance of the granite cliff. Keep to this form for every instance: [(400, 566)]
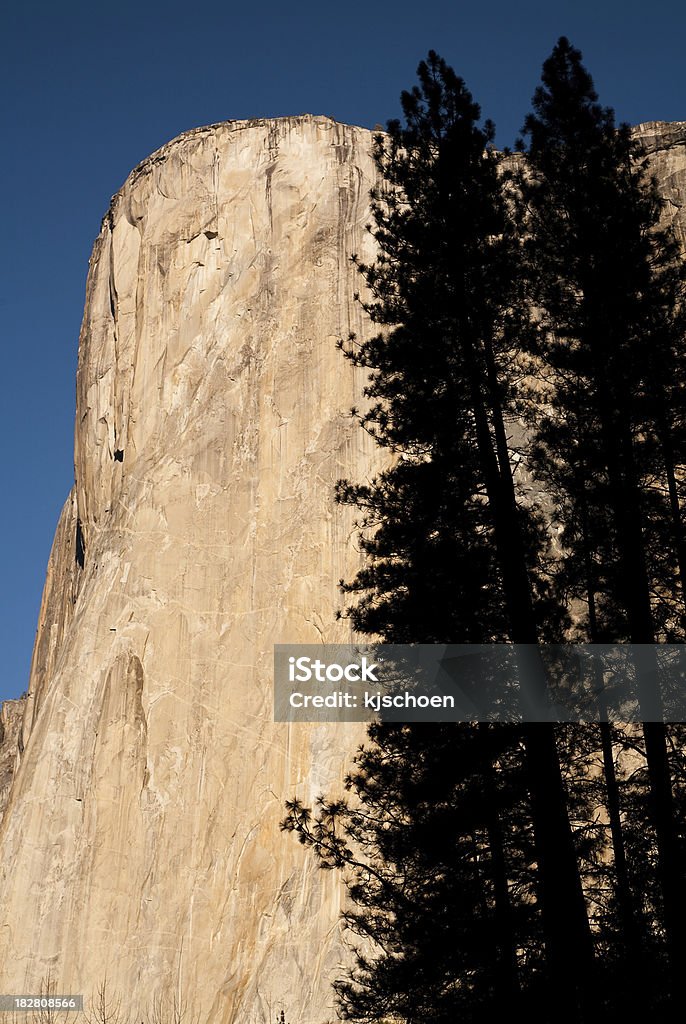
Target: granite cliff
[(143, 777), (140, 838), (11, 717)]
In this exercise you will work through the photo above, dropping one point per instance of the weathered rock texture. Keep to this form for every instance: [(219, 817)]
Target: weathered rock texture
[(665, 145), (141, 836), (11, 715)]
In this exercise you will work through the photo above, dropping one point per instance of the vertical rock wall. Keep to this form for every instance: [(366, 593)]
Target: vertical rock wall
[(141, 840), (11, 719)]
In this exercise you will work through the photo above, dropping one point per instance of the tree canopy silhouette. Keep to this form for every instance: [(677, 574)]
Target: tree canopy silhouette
[(453, 553), (550, 293), (609, 288)]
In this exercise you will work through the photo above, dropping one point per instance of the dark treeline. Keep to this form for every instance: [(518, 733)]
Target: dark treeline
[(531, 869)]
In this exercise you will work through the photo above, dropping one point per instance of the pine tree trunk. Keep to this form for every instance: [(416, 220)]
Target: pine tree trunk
[(625, 491), (664, 434), (568, 942), (508, 988), (630, 997), (627, 909)]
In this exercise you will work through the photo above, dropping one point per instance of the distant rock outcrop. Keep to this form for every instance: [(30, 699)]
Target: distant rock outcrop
[(665, 144), (11, 716)]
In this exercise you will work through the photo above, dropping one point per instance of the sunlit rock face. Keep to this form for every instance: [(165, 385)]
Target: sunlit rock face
[(11, 716), (140, 836), (141, 839), (665, 144)]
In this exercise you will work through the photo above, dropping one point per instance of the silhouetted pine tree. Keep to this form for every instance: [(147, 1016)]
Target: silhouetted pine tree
[(436, 849), (609, 289), (441, 388), (452, 555)]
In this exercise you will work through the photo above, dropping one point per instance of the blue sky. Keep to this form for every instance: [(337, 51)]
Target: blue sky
[(90, 89)]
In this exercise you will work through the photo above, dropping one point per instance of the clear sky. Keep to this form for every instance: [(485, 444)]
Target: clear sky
[(89, 89)]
